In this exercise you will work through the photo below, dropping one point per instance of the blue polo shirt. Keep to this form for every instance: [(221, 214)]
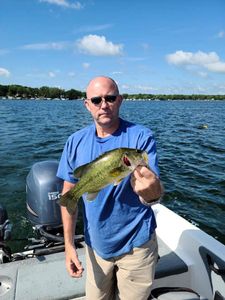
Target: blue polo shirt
[(116, 221)]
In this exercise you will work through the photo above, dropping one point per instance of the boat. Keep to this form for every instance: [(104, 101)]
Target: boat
[(191, 264)]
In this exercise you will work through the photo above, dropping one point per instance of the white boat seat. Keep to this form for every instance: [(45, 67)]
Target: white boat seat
[(169, 262), (173, 293), (177, 296)]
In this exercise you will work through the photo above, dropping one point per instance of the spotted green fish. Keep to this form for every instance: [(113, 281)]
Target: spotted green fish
[(109, 168)]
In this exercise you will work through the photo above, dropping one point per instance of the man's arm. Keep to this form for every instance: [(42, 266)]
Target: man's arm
[(73, 265)]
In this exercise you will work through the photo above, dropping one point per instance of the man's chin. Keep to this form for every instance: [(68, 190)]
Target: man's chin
[(105, 119)]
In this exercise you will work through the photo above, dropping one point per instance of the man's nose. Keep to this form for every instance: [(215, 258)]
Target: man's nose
[(104, 103)]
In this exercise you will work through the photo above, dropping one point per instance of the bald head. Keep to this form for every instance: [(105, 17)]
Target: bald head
[(96, 85)]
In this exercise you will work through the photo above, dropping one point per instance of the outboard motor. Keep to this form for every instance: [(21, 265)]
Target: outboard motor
[(43, 190)]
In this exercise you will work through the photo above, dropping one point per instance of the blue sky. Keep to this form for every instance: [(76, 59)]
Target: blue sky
[(147, 46)]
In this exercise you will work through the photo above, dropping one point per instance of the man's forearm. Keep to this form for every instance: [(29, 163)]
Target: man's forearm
[(69, 221), (69, 224)]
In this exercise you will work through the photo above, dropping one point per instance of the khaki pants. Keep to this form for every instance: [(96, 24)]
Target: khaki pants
[(126, 277)]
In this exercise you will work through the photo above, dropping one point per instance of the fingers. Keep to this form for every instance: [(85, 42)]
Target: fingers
[(142, 177), (73, 264), (75, 269), (143, 172), (145, 183)]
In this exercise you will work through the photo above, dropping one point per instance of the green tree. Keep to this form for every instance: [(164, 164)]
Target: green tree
[(73, 94), (3, 90)]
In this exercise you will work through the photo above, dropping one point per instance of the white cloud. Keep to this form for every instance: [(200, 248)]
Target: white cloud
[(217, 67), (125, 87), (139, 88), (135, 58), (90, 44), (203, 74), (47, 46), (145, 46), (117, 73), (4, 51), (65, 3), (189, 58), (4, 72), (209, 61), (71, 74), (98, 46), (43, 75), (91, 28), (221, 34), (146, 88), (86, 65), (220, 87), (51, 74)]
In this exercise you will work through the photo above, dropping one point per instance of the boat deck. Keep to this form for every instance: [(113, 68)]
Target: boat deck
[(183, 262), (47, 277)]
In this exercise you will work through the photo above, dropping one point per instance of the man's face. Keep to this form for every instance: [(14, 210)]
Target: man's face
[(105, 113)]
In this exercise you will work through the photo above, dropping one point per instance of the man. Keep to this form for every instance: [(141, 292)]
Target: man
[(119, 224)]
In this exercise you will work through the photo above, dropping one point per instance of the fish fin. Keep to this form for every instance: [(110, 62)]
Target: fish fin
[(115, 172), (118, 181), (69, 201), (91, 196)]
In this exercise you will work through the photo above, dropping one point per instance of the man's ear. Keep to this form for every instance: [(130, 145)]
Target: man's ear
[(120, 99), (87, 104)]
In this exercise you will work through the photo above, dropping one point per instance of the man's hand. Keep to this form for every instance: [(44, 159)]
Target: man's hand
[(146, 184), (73, 265)]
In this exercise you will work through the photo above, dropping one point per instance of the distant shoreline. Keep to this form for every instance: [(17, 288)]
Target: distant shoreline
[(19, 92), (164, 98)]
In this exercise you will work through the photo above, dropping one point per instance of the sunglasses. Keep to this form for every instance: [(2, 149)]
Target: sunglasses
[(108, 98)]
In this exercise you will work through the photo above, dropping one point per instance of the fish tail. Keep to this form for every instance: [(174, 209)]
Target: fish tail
[(69, 200)]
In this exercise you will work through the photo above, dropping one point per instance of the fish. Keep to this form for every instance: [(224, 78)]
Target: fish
[(109, 168)]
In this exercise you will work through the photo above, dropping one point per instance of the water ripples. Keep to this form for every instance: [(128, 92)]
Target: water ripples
[(190, 142)]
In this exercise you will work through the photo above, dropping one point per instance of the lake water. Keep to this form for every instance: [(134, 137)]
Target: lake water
[(191, 156)]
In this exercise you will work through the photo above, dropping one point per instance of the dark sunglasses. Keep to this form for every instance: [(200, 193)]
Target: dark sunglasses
[(108, 98)]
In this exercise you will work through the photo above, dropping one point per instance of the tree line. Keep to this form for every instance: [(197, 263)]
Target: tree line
[(173, 97), (15, 91), (23, 92)]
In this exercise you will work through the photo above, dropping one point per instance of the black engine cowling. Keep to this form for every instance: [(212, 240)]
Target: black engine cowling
[(43, 190)]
